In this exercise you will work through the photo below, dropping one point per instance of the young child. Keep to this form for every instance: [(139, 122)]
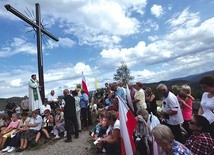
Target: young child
[(185, 99), (96, 129), (100, 130)]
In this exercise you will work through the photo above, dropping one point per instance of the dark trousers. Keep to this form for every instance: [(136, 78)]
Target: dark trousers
[(84, 116), (15, 140), (112, 149), (176, 131), (69, 123), (53, 106), (89, 117)]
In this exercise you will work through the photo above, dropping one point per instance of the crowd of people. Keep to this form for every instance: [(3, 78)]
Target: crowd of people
[(54, 118), (171, 129)]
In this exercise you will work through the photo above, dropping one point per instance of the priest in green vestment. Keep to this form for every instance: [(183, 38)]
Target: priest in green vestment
[(35, 101)]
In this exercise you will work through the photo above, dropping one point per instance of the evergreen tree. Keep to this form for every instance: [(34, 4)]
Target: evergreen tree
[(123, 74)]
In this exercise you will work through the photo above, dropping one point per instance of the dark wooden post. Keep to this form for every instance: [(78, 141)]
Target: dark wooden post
[(39, 31)]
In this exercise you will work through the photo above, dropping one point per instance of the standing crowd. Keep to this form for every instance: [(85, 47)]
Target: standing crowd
[(172, 129)]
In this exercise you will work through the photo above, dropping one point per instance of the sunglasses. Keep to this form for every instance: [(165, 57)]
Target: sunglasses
[(191, 122)]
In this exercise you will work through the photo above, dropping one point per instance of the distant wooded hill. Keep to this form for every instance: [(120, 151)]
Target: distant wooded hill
[(172, 84)]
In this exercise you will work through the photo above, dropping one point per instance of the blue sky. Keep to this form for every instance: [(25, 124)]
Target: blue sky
[(158, 40)]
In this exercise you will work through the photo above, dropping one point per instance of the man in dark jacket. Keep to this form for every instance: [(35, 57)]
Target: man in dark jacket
[(10, 108), (70, 115)]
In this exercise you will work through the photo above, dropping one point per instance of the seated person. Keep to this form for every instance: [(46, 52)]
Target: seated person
[(13, 143), (53, 100), (12, 127), (44, 107), (2, 122), (103, 128), (100, 105), (111, 142), (28, 135), (93, 106), (47, 126), (5, 122), (142, 136), (108, 97), (201, 141), (151, 121), (59, 126), (96, 129), (102, 133), (164, 138)]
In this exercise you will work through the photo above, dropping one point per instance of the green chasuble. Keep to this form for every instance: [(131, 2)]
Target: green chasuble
[(35, 92)]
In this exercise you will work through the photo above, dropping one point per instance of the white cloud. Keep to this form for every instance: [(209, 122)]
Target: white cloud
[(63, 42), (134, 5), (16, 82), (66, 42), (194, 35), (184, 18), (81, 67), (63, 77), (151, 25), (153, 38), (68, 71), (179, 46), (109, 21), (18, 45), (172, 48), (146, 74), (157, 10), (92, 22), (106, 11), (169, 8)]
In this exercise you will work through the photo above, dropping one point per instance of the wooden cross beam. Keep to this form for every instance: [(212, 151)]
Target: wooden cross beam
[(39, 31)]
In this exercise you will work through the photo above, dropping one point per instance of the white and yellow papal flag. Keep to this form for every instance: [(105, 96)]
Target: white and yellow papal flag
[(96, 83)]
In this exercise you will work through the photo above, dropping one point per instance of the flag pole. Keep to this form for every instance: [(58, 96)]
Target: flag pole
[(130, 109)]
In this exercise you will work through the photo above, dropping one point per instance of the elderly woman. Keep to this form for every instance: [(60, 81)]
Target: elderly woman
[(111, 142), (34, 126), (165, 139), (47, 126), (201, 141)]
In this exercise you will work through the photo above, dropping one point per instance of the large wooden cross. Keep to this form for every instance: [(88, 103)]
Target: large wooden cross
[(39, 31)]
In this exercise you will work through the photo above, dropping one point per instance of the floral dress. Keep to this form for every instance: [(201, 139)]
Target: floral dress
[(180, 149)]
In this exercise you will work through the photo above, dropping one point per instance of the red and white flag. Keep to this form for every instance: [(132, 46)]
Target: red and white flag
[(84, 85), (129, 99), (127, 126)]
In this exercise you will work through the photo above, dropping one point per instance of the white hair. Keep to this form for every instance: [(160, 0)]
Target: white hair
[(162, 87)]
